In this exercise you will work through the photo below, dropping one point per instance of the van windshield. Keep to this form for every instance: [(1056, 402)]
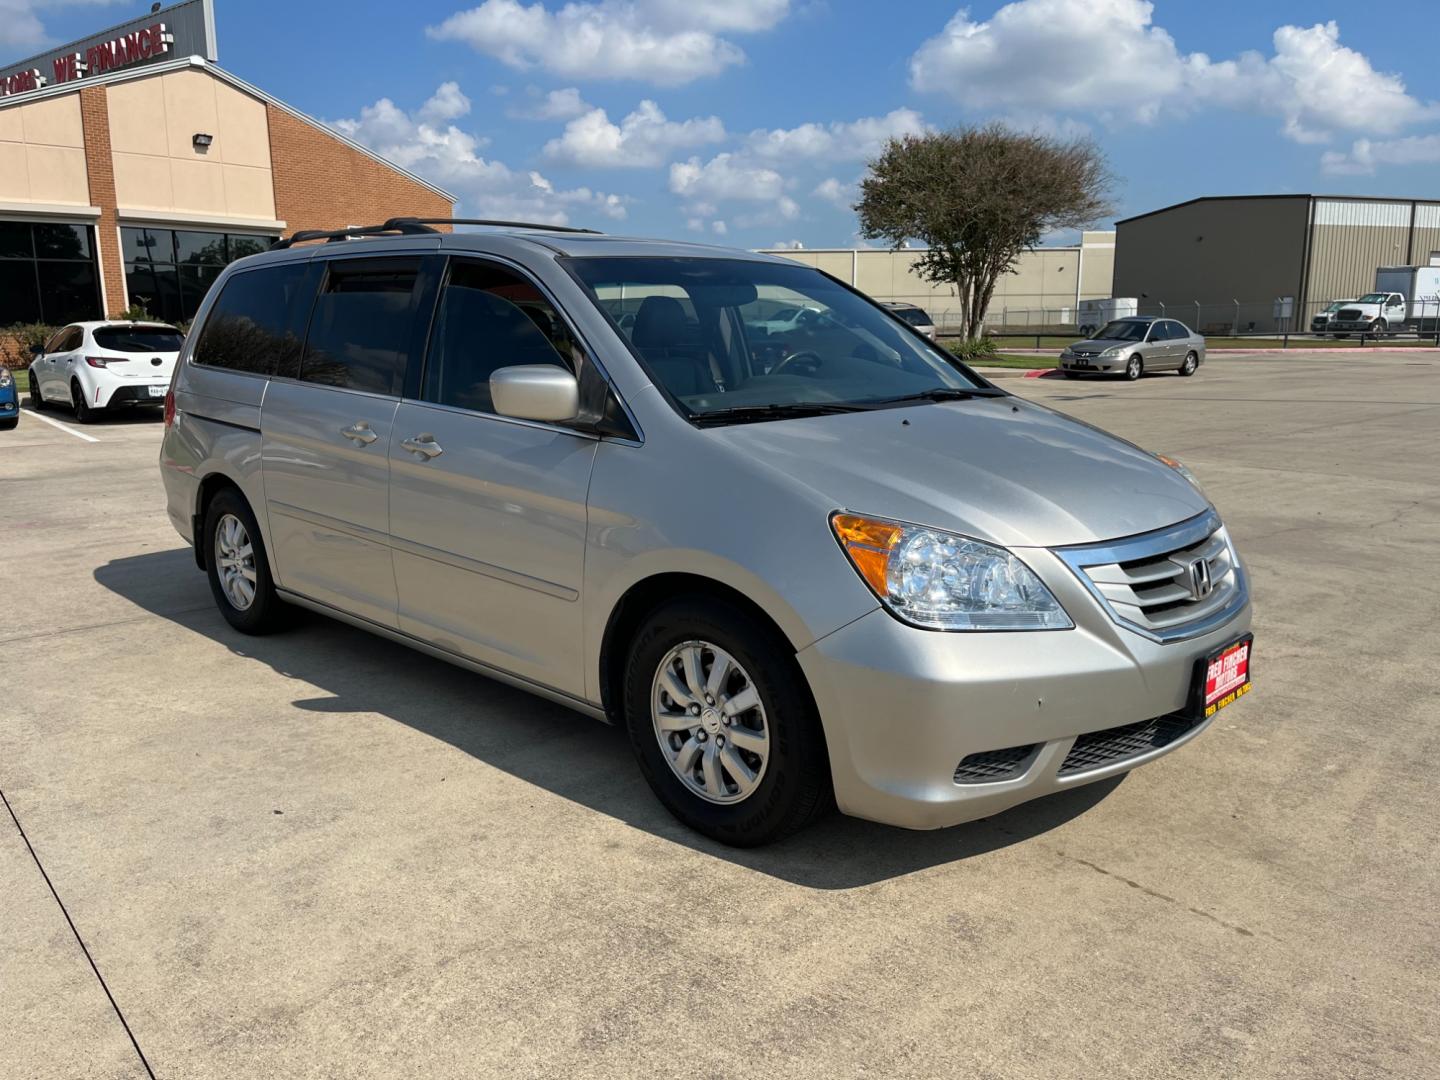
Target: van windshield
[(723, 337)]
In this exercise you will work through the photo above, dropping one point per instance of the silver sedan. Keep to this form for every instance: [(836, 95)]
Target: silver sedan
[(1133, 346)]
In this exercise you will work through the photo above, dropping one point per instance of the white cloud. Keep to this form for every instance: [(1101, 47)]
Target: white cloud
[(719, 228), (852, 141), (447, 103), (563, 104), (667, 42), (787, 245), (726, 177), (644, 139), (840, 195), (21, 28), (1107, 57), (449, 157), (1365, 156)]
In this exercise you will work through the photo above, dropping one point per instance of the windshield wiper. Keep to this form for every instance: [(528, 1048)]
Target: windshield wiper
[(945, 393), (744, 414)]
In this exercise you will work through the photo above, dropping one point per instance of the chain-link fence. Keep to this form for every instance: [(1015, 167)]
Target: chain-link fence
[(1235, 318)]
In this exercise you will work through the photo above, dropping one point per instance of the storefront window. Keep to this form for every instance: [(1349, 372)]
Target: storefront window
[(168, 271), (47, 273)]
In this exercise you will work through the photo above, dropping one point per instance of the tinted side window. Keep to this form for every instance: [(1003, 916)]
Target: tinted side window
[(490, 317), (258, 322), (360, 328)]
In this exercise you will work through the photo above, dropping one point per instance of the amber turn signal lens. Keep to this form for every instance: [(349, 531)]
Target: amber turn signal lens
[(868, 543)]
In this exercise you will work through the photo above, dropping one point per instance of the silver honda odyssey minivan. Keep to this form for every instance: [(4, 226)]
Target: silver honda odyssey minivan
[(803, 562)]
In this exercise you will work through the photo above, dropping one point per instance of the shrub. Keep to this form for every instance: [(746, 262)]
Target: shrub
[(973, 351), (15, 342)]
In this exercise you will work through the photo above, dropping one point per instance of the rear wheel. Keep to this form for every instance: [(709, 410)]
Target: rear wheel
[(1192, 362), (1134, 367), (237, 567), (721, 724), (83, 412)]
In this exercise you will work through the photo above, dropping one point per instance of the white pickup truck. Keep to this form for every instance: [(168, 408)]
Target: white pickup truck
[(1405, 298)]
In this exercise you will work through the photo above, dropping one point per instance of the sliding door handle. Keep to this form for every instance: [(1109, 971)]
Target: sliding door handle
[(359, 432), (424, 445)]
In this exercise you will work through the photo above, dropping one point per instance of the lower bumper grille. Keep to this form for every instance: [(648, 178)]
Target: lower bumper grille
[(993, 765), (1099, 748)]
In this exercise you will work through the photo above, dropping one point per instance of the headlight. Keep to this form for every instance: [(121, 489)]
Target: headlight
[(941, 581), (5, 377), (1186, 473), (1114, 350)]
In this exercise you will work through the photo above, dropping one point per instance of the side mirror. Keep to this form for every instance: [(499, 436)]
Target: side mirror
[(37, 350), (535, 392)]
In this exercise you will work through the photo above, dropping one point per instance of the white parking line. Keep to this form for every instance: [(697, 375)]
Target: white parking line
[(63, 427)]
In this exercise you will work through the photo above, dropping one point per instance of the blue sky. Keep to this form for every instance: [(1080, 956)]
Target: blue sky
[(748, 122)]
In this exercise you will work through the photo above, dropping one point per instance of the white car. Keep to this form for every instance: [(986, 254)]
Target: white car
[(92, 366)]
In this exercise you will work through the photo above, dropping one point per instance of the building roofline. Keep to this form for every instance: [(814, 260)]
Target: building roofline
[(199, 62), (915, 250), (1275, 195)]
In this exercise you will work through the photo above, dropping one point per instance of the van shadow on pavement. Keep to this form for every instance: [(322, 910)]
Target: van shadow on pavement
[(540, 742)]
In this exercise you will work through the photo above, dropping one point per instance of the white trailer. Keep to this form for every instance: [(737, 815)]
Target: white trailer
[(1420, 286), (1096, 313)]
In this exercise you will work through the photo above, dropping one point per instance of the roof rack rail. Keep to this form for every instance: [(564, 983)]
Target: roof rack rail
[(396, 226), (410, 226), (404, 221)]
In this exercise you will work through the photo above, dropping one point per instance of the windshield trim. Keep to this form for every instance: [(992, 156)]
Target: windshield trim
[(569, 263)]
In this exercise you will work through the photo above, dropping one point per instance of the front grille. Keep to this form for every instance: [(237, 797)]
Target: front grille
[(993, 765), (1099, 748), (1152, 583), (1349, 314)]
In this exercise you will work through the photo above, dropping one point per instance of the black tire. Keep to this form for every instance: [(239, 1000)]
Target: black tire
[(84, 414), (1191, 365), (36, 401), (1070, 374), (1381, 328), (1134, 367), (9, 425), (266, 613), (795, 786)]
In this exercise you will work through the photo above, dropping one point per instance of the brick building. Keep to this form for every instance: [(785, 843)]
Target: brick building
[(130, 174)]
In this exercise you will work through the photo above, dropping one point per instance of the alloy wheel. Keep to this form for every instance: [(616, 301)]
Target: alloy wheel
[(1132, 368), (1191, 363), (710, 722), (235, 562)]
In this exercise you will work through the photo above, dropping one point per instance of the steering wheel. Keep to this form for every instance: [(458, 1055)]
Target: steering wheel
[(803, 357)]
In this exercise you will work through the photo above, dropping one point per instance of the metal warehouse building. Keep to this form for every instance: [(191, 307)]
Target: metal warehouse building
[(1263, 262)]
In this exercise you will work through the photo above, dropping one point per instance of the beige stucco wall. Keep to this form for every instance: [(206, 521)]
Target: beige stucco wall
[(42, 152), (152, 124), (1041, 289)]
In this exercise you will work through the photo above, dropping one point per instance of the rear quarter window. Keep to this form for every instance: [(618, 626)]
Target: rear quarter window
[(257, 323)]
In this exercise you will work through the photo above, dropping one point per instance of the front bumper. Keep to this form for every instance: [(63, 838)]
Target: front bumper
[(1092, 366), (903, 708)]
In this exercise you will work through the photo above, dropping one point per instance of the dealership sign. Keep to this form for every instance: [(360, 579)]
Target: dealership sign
[(184, 29)]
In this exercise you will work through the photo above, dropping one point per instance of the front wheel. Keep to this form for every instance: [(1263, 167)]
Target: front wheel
[(722, 725), (1134, 368), (237, 567), (1191, 363), (36, 401)]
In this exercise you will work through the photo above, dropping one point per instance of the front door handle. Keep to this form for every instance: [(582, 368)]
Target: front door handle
[(359, 432), (424, 445)]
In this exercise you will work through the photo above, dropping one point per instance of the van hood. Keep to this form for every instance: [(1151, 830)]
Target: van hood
[(1000, 469)]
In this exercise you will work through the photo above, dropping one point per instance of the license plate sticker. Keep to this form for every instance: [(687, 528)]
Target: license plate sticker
[(1227, 675)]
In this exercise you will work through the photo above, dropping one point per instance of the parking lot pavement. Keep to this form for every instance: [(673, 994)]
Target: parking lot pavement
[(322, 854)]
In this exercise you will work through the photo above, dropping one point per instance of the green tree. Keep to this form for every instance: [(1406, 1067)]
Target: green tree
[(977, 198)]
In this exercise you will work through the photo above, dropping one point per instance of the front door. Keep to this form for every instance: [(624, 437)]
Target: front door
[(487, 514), (326, 437), (54, 366)]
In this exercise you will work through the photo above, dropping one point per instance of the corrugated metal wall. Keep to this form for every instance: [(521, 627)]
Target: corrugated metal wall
[(1350, 238)]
